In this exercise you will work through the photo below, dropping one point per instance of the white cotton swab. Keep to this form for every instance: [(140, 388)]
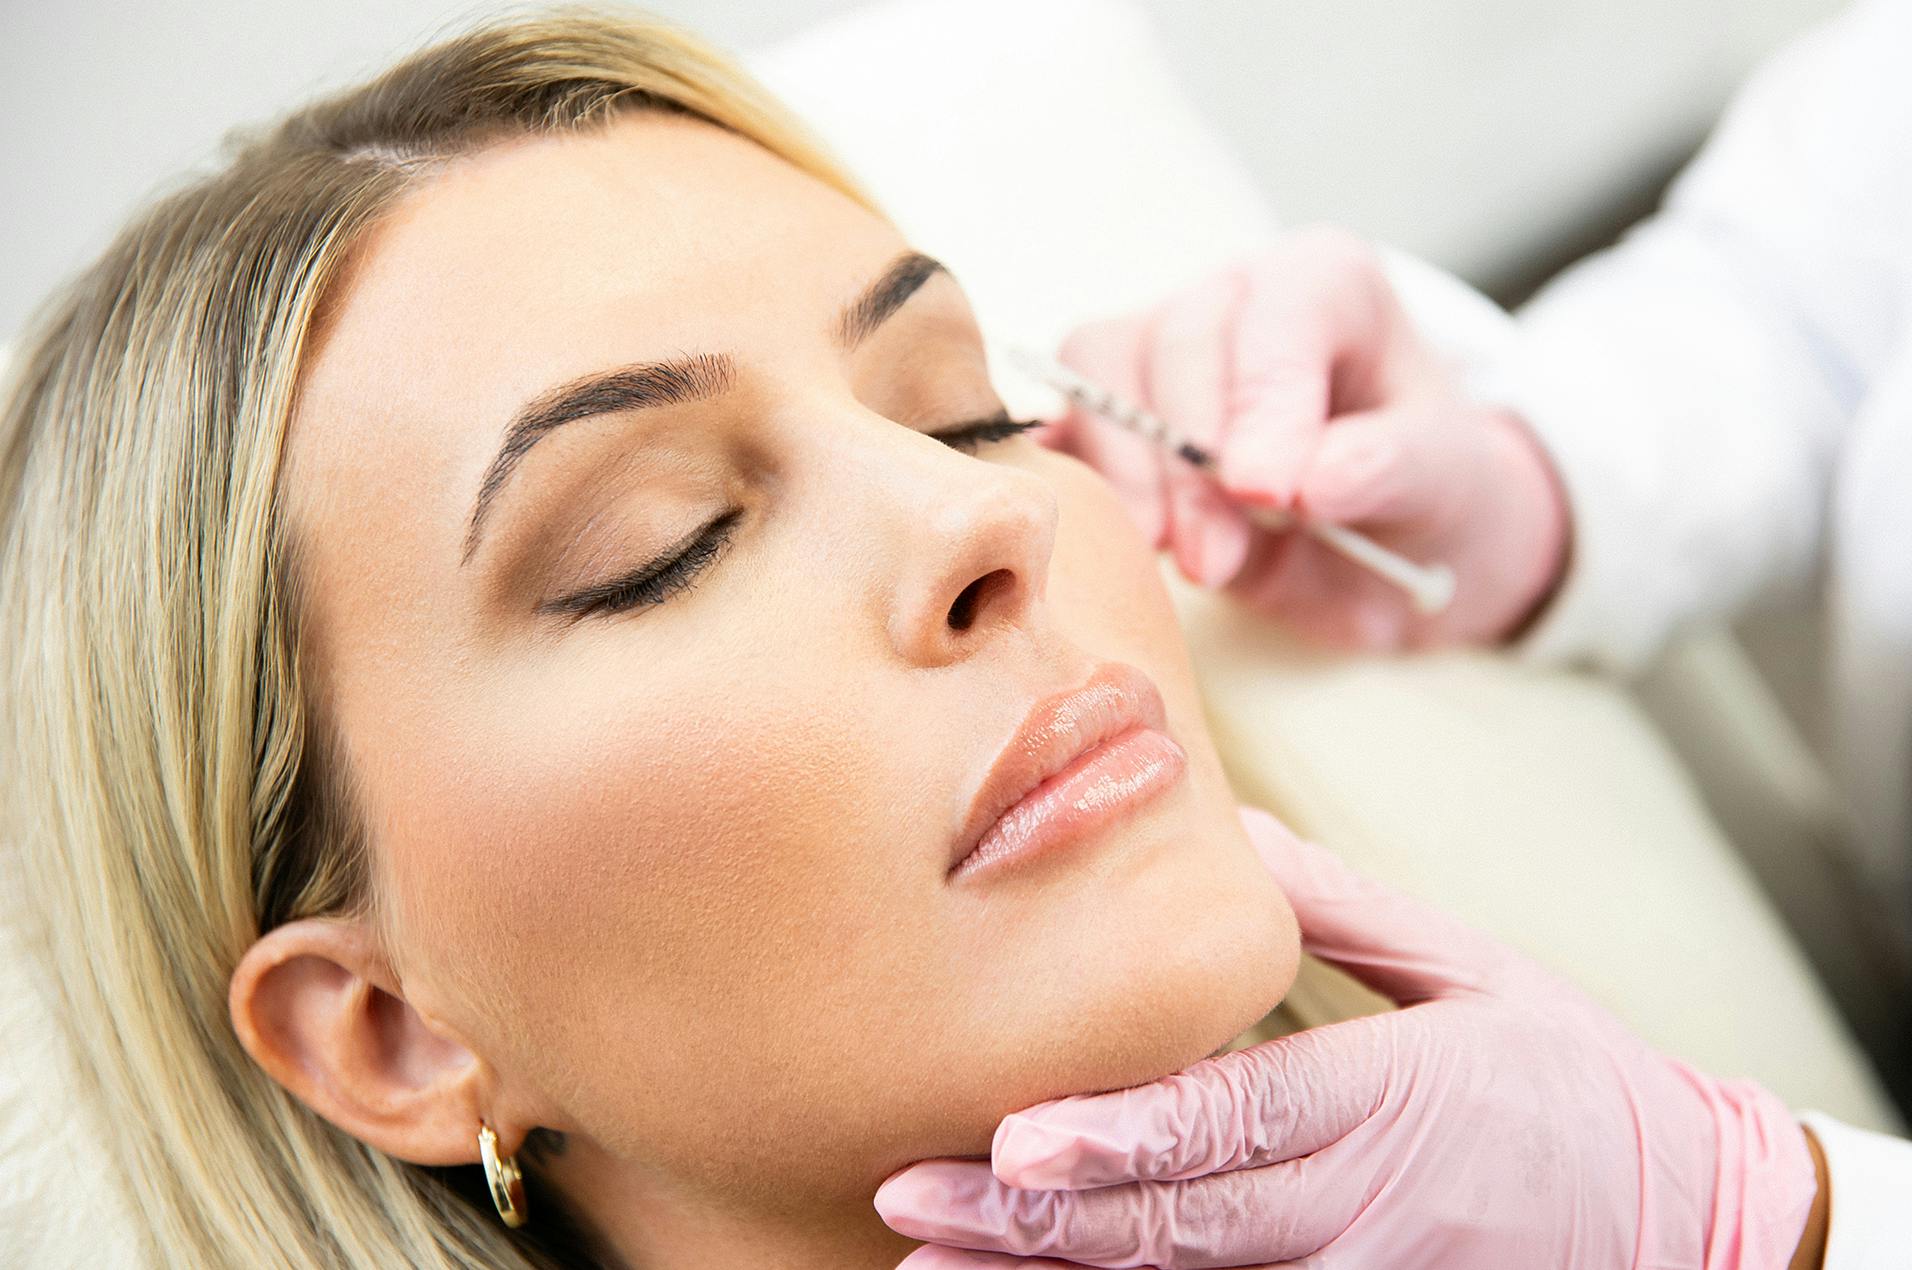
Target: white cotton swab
[(1429, 587)]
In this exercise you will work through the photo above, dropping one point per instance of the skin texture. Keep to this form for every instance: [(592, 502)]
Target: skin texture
[(672, 881)]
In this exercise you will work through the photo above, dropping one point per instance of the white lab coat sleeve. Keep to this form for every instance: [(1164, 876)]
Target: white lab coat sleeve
[(1694, 382), (1870, 1177)]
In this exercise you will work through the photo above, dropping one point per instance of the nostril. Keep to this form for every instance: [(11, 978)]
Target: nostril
[(962, 614)]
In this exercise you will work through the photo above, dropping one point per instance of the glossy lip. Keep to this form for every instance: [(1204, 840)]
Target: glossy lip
[(1098, 748)]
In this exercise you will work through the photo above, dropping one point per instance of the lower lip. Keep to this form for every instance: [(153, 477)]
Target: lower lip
[(1101, 787)]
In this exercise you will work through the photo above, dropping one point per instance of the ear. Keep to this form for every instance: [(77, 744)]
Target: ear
[(316, 1006)]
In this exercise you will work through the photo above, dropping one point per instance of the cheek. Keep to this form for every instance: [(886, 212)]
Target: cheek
[(1103, 573), (1106, 590), (702, 877)]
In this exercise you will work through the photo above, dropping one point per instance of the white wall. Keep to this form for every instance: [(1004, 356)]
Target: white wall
[(1478, 132)]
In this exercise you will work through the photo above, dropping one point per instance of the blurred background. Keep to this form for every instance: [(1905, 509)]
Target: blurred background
[(1498, 138)]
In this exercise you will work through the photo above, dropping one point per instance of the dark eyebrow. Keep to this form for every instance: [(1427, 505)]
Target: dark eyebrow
[(626, 388), (671, 383), (885, 296)]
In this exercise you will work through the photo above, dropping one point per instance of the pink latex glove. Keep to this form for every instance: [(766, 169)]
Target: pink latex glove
[(1301, 371), (1501, 1120)]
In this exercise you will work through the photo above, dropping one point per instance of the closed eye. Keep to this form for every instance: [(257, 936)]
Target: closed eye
[(656, 582), (1000, 428)]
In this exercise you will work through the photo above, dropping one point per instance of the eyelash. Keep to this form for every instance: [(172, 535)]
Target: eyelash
[(998, 429), (657, 582)]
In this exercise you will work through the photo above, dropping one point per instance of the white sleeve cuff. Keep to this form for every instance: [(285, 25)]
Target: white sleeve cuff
[(1607, 609), (1870, 1176)]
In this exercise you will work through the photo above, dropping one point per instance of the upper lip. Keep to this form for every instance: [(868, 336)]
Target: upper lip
[(1058, 730)]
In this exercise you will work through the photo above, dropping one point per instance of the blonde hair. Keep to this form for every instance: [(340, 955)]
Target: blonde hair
[(167, 788)]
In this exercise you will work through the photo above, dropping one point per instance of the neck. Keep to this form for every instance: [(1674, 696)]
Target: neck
[(650, 1223)]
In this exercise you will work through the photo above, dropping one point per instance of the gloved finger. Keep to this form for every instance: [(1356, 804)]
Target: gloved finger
[(942, 1257), (1248, 1108), (1058, 433), (1239, 1219), (1188, 372), (1372, 467), (1210, 533), (1392, 943), (1315, 304), (1110, 353)]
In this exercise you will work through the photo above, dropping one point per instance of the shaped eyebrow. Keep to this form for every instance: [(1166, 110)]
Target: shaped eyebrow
[(651, 384), (885, 296), (640, 387)]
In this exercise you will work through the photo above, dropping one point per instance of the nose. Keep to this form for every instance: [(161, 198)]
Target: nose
[(979, 562)]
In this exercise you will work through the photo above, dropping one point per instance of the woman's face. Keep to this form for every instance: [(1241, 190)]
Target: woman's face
[(679, 873)]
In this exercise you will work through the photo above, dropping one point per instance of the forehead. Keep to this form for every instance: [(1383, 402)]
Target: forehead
[(545, 258), (543, 255)]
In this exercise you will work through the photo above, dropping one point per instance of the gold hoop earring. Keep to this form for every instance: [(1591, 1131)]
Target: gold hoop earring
[(502, 1175)]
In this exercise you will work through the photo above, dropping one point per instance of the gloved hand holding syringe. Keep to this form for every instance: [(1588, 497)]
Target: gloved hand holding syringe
[(1430, 587), (1335, 472)]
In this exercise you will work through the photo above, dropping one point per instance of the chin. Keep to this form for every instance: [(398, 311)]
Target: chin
[(1203, 954), (1177, 999)]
